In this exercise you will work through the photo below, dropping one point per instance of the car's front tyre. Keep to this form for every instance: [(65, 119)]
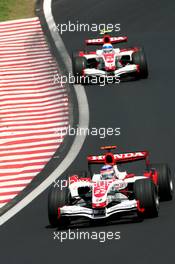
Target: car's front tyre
[(146, 195), (139, 58), (78, 66), (57, 198)]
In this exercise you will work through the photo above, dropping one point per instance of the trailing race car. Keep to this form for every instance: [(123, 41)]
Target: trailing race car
[(109, 61), (110, 192)]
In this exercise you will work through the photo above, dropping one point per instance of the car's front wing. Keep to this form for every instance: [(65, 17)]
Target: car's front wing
[(117, 73), (98, 213)]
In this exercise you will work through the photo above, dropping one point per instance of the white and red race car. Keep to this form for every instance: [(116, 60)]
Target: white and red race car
[(109, 61), (111, 192)]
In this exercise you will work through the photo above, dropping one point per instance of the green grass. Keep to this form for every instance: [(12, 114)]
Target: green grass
[(16, 9)]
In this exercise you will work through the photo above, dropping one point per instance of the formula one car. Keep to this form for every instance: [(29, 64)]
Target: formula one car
[(109, 61), (111, 192)]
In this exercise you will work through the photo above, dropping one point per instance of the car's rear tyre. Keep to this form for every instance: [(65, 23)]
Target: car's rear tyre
[(139, 58), (147, 196), (78, 66), (165, 181), (56, 199)]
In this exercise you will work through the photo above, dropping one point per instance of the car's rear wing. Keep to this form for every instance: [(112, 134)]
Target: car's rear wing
[(112, 159), (106, 39)]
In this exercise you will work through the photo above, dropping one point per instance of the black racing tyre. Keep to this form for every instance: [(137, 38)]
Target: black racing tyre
[(57, 198), (147, 195), (78, 65), (165, 181), (139, 58)]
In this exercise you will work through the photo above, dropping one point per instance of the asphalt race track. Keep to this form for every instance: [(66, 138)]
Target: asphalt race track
[(145, 112)]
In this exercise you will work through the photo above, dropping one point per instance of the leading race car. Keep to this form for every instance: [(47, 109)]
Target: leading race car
[(109, 61), (109, 191)]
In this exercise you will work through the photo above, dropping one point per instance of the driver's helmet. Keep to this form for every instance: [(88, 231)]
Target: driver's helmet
[(107, 172), (108, 48)]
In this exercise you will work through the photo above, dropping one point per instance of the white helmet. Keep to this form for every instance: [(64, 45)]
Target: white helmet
[(107, 172), (107, 48)]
